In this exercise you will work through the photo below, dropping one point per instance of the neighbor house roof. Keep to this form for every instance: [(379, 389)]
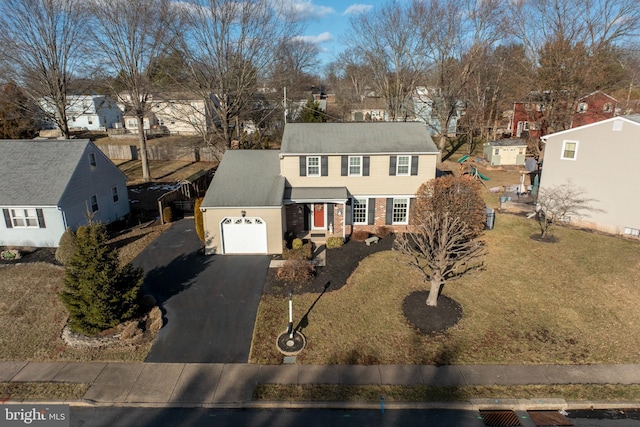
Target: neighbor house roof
[(360, 138), (246, 178), (507, 143), (633, 118), (37, 172)]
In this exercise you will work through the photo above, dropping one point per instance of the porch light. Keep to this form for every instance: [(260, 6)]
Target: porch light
[(339, 211)]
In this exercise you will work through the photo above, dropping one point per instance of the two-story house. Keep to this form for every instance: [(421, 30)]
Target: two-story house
[(601, 158), (425, 104), (49, 185), (328, 179), (595, 107), (87, 112)]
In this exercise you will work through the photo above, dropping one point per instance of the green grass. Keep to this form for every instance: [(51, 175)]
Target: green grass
[(42, 391), (337, 393), (574, 301)]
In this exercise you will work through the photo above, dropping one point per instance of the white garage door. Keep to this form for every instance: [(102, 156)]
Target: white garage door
[(244, 236)]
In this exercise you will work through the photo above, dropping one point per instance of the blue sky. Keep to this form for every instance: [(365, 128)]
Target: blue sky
[(327, 20)]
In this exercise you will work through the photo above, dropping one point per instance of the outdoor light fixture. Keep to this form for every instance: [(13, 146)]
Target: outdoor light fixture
[(339, 211), (243, 213)]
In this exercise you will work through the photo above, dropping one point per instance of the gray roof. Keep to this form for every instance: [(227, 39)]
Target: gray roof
[(302, 194), (507, 142), (36, 172), (362, 138), (633, 117), (246, 178)]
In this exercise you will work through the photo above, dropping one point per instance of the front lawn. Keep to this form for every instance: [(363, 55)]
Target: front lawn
[(574, 301)]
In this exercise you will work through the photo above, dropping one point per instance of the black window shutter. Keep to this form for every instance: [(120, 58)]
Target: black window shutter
[(348, 217), (372, 211), (365, 165), (330, 213), (307, 216), (414, 165), (389, 214), (344, 166), (324, 166), (40, 215), (7, 218), (392, 165), (303, 166)]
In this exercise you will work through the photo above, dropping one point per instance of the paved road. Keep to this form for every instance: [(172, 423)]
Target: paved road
[(209, 302), (191, 417)]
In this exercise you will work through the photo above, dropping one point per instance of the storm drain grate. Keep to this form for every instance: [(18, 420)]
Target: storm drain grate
[(549, 418), (500, 418)]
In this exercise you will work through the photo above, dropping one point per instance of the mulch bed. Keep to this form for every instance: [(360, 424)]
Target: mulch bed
[(341, 262), (431, 320), (47, 255)]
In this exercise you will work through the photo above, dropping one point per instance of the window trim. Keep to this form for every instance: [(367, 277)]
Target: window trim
[(406, 210), (408, 165), (563, 151), (359, 166), (310, 166), (365, 207)]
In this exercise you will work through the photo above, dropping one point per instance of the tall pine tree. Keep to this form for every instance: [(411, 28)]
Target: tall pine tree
[(98, 292)]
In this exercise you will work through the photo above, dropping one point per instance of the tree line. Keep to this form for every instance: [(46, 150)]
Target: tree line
[(476, 55)]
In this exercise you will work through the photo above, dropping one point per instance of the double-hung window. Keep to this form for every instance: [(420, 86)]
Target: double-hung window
[(94, 203), (569, 150), (313, 165), (114, 194), (359, 211), (400, 211), (355, 165), (24, 218), (403, 165)]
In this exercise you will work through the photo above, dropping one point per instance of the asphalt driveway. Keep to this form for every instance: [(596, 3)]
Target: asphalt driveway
[(209, 302)]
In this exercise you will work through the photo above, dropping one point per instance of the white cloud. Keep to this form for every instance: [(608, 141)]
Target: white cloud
[(357, 8), (320, 38), (303, 10)]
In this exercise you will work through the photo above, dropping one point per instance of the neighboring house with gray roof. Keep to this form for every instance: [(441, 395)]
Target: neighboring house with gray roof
[(328, 179), (505, 152), (601, 158), (49, 185)]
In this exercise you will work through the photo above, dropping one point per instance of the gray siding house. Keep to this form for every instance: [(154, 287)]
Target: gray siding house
[(601, 158), (49, 185), (327, 180)]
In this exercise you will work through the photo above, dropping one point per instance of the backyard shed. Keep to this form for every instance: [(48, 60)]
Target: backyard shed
[(505, 152)]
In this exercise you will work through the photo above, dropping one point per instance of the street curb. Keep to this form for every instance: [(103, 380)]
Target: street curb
[(473, 405)]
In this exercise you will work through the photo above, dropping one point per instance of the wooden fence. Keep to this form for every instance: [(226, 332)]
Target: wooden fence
[(189, 154)]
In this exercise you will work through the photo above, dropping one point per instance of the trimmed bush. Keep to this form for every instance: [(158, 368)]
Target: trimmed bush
[(67, 247), (297, 244), (334, 242), (167, 214), (384, 231), (303, 252), (360, 235), (199, 219), (295, 271)]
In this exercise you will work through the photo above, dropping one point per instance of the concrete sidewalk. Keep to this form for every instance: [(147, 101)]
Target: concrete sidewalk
[(184, 384)]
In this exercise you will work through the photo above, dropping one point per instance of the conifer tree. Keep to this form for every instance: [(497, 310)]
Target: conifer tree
[(98, 292)]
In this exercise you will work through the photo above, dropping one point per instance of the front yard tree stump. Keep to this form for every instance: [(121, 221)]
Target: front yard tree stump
[(291, 346)]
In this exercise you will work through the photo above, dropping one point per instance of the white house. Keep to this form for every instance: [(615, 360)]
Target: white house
[(88, 112), (423, 109), (49, 185), (601, 158)]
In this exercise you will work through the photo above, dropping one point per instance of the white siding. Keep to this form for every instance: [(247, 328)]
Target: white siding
[(38, 237)]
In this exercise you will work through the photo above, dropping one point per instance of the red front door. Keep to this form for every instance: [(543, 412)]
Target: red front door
[(318, 215)]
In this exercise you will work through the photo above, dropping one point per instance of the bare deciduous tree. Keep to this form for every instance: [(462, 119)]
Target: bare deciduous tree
[(128, 36), (42, 41), (559, 204), (446, 218), (386, 41), (228, 45), (440, 247)]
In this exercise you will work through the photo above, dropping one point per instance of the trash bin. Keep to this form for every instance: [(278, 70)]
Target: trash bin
[(491, 216)]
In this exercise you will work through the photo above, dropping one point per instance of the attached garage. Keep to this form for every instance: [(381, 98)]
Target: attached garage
[(246, 215), (244, 236)]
